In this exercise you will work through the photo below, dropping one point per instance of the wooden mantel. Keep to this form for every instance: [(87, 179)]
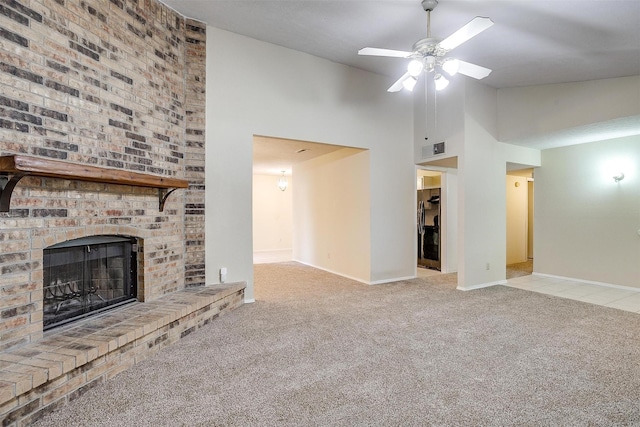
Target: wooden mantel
[(15, 167)]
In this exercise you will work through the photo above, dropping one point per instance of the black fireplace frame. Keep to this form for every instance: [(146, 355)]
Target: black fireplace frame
[(80, 298)]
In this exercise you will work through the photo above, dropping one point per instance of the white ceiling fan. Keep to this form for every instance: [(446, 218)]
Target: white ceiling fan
[(428, 54)]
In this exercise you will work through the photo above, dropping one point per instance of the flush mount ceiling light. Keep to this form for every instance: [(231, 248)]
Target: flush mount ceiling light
[(282, 182), (428, 54)]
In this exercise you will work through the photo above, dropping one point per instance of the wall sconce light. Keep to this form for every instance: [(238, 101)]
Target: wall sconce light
[(618, 167), (282, 182)]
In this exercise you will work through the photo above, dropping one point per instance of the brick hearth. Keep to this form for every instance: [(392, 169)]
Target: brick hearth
[(67, 362)]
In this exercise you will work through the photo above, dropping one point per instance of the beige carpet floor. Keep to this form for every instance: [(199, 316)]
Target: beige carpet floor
[(320, 350), (519, 269)]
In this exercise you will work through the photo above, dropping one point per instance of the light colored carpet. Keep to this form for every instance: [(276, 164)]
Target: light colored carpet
[(519, 269), (513, 270), (320, 350)]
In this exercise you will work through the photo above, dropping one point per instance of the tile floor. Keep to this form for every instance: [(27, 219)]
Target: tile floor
[(623, 299)]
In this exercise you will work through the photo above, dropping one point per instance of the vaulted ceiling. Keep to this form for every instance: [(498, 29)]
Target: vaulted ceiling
[(532, 42)]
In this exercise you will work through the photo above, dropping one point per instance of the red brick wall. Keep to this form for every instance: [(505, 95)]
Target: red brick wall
[(118, 84)]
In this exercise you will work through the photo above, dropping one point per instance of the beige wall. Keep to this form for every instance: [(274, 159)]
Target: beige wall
[(256, 88), (587, 225), (467, 121), (332, 211), (482, 202), (530, 225), (517, 219), (272, 219), (532, 111)]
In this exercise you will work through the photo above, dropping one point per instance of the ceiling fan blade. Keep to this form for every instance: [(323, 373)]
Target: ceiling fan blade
[(473, 70), (471, 29), (397, 86), (374, 51)]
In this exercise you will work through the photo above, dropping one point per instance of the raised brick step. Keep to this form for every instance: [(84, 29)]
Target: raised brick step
[(44, 375)]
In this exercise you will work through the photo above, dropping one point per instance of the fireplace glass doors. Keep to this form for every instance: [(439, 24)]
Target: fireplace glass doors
[(86, 276)]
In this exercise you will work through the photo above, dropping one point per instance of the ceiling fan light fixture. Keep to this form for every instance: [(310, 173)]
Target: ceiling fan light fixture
[(427, 54), (451, 66), (440, 82), (415, 67), (409, 83)]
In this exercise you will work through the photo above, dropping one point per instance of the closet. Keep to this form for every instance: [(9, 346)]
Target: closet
[(428, 214)]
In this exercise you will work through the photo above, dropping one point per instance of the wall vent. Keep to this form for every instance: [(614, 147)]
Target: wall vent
[(431, 150), (427, 151)]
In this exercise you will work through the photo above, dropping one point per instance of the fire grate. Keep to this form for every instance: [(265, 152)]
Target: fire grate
[(86, 276)]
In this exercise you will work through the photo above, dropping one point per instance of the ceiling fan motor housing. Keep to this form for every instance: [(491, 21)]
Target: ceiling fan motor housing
[(428, 47), (429, 5), (429, 52)]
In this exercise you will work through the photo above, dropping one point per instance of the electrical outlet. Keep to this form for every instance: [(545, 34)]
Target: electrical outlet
[(223, 274), (488, 266)]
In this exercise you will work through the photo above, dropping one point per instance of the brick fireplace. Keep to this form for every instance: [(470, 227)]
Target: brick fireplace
[(117, 85), (86, 277)]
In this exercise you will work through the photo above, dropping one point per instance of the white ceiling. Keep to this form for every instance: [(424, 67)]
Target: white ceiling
[(531, 43), (272, 156)]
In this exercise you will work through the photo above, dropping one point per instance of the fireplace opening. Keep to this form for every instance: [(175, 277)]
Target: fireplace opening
[(84, 277)]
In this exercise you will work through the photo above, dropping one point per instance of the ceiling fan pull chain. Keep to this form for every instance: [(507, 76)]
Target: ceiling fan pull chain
[(426, 111), (435, 110)]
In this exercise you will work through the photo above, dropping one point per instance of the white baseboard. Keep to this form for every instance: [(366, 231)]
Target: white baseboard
[(398, 279), (273, 256), (249, 300), (481, 285), (333, 272), (376, 282), (589, 282)]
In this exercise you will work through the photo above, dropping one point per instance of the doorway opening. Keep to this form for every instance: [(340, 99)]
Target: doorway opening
[(520, 206), (273, 164), (322, 217), (429, 214)]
